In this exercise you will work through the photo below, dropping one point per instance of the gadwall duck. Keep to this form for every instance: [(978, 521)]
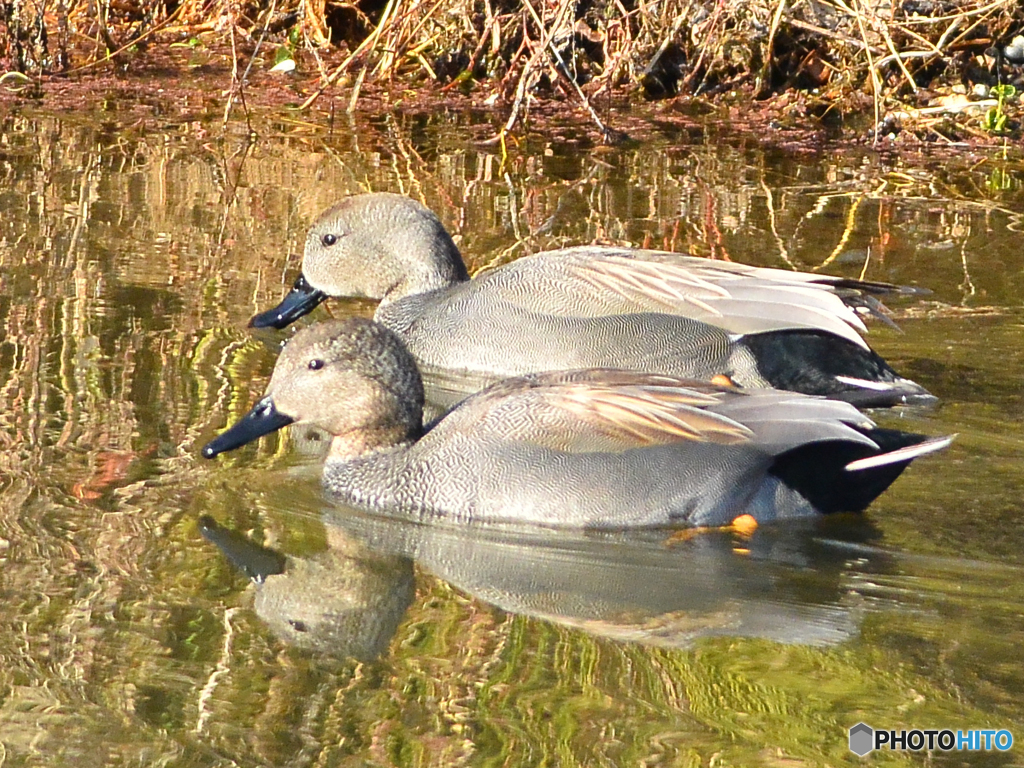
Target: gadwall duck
[(593, 307), (593, 448)]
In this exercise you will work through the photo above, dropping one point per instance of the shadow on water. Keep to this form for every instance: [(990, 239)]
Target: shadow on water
[(130, 263)]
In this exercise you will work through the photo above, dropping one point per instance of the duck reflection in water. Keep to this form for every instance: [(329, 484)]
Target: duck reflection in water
[(347, 602), (782, 584)]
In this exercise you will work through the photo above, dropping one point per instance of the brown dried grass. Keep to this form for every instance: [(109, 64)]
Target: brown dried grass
[(516, 51)]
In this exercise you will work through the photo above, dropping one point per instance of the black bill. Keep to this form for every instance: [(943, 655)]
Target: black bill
[(301, 300), (261, 420)]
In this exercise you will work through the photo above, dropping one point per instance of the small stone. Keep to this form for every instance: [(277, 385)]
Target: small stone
[(1014, 52)]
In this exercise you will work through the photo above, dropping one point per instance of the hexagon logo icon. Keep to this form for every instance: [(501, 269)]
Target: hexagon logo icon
[(862, 739)]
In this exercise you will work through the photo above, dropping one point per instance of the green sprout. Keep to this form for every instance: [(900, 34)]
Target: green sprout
[(995, 118)]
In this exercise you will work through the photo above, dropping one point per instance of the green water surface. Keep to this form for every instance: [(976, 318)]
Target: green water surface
[(133, 252)]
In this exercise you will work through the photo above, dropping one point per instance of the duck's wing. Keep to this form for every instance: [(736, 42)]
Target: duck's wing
[(610, 410), (738, 298), (781, 420), (784, 421)]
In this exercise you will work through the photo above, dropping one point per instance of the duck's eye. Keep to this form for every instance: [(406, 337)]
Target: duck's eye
[(316, 364), (298, 626), (328, 240)]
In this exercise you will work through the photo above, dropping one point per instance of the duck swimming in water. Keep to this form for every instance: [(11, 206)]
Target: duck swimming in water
[(592, 448), (593, 306)]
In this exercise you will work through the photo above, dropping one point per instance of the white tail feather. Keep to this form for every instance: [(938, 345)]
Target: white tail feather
[(908, 453), (880, 386)]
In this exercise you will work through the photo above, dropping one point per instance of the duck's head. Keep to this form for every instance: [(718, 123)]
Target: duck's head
[(376, 246), (352, 377)]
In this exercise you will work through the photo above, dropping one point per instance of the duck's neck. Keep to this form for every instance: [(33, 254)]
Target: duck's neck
[(438, 268), (359, 444)]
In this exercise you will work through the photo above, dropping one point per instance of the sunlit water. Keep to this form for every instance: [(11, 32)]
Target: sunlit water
[(132, 255)]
